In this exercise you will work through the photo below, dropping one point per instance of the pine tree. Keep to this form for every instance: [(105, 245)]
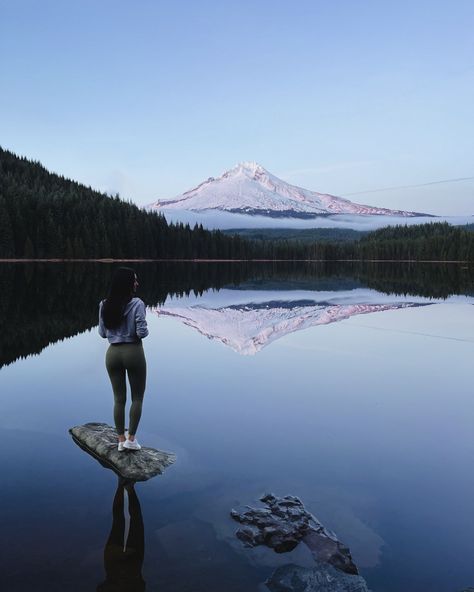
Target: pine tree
[(7, 247)]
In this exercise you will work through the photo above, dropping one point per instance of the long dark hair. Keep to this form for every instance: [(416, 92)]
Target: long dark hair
[(120, 293)]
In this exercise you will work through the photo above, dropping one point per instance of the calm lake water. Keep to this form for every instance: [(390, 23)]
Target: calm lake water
[(350, 387)]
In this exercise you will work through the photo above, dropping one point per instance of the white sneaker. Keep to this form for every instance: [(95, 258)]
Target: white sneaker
[(120, 446), (131, 445)]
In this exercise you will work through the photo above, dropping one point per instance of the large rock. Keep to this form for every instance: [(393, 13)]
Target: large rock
[(284, 523), (322, 578), (100, 441)]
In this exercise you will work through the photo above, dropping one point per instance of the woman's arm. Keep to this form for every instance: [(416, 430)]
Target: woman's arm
[(102, 332), (140, 320)]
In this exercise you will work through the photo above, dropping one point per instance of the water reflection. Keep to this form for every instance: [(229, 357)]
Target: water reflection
[(248, 322), (125, 548), (317, 419), (42, 303)]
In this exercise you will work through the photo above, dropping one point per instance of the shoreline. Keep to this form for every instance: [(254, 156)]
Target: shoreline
[(110, 260)]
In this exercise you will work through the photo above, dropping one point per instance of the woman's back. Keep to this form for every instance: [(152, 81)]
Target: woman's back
[(133, 326)]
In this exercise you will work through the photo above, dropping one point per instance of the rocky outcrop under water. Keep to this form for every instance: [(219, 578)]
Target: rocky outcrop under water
[(100, 441), (321, 578), (284, 523)]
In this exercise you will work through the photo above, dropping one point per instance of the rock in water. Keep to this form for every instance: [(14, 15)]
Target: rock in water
[(284, 523), (100, 441), (322, 578)]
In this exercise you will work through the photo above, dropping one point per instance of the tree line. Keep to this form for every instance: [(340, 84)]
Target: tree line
[(45, 216)]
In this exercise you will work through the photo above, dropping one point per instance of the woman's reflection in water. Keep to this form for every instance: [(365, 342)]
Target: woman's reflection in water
[(124, 551)]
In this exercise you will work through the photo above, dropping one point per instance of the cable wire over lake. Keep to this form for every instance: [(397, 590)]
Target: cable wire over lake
[(457, 180)]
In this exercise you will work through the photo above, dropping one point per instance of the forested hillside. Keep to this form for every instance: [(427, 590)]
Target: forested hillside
[(300, 234), (435, 241), (44, 215)]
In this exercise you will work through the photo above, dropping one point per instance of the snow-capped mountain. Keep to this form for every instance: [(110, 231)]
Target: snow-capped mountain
[(249, 326), (251, 190)]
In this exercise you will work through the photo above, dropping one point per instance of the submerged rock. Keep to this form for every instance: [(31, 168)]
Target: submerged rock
[(100, 441), (322, 578), (284, 523)]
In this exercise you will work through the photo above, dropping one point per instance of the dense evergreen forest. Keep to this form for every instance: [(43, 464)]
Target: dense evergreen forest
[(437, 241), (299, 234), (44, 215)]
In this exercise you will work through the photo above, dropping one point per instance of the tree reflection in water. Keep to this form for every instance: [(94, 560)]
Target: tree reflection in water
[(41, 303)]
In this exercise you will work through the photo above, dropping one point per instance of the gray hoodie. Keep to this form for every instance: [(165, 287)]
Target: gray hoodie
[(133, 326)]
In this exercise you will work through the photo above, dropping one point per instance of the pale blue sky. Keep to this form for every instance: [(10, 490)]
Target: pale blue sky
[(149, 98)]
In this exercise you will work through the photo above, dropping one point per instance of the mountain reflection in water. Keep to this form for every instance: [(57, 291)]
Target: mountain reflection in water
[(248, 327)]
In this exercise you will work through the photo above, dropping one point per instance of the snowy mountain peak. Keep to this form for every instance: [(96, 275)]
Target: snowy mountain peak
[(248, 188), (247, 167)]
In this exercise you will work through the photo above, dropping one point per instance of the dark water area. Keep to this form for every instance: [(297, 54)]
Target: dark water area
[(347, 385)]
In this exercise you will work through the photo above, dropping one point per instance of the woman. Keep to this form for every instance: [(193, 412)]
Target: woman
[(122, 322)]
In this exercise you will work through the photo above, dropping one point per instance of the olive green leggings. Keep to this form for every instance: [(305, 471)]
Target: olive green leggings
[(121, 360)]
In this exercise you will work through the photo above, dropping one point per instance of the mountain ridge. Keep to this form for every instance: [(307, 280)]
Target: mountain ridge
[(249, 189)]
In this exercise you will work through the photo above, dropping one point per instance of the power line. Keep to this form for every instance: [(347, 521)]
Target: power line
[(409, 186)]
